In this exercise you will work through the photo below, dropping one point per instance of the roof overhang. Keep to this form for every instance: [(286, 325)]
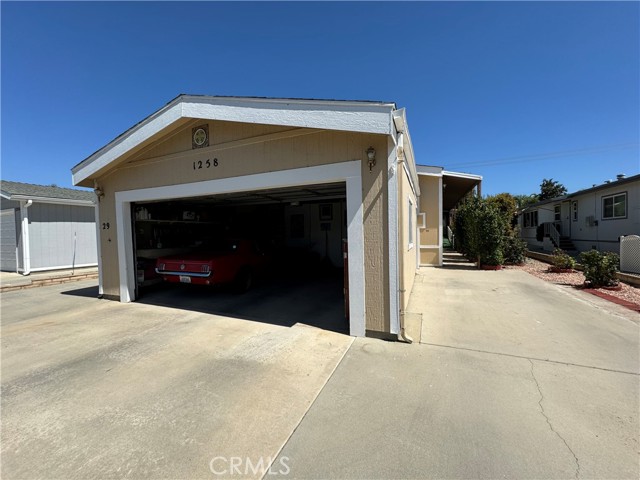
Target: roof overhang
[(362, 117), (455, 185), (402, 137), (60, 201)]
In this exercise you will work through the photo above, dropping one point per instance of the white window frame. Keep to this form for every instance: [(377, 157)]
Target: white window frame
[(530, 219), (557, 213), (613, 198), (411, 225)]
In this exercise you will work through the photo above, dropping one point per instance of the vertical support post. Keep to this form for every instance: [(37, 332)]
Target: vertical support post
[(99, 247), (392, 215), (440, 230), (26, 255)]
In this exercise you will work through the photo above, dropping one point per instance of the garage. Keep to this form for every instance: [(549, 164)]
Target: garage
[(300, 179), (287, 244)]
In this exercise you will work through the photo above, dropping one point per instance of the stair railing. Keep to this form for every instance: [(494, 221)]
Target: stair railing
[(451, 237), (552, 232)]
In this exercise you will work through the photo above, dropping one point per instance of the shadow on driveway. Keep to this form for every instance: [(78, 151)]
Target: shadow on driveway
[(316, 302)]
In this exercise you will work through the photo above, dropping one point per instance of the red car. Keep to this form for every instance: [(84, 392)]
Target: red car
[(233, 262)]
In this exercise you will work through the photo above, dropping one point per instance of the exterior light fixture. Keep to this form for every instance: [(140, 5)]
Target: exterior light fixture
[(371, 155), (97, 190)]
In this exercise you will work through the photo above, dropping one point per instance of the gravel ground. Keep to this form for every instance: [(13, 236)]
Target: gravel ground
[(541, 270)]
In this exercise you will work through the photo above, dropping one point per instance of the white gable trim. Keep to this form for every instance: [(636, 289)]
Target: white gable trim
[(125, 144), (335, 115), (350, 117)]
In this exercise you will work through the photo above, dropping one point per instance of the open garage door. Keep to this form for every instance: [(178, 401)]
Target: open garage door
[(296, 225), (271, 255)]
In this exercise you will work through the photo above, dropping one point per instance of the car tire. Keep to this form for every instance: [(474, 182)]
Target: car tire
[(244, 281)]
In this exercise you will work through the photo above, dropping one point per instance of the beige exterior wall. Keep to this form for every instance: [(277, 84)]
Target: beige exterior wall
[(429, 256), (407, 235), (430, 206), (243, 149)]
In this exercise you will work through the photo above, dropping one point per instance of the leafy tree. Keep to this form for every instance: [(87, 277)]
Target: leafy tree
[(480, 231), (549, 188), (506, 205), (523, 201)]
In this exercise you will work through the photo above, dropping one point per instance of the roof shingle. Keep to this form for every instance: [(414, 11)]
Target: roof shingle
[(43, 191)]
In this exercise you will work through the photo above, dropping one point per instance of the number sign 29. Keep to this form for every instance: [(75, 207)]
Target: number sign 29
[(208, 163)]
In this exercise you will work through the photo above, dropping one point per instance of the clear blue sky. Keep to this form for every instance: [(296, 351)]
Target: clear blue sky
[(512, 91)]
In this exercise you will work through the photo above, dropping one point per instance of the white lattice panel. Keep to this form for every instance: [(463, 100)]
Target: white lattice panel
[(630, 254)]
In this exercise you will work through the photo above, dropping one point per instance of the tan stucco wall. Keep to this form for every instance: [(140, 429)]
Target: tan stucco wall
[(429, 204), (171, 163), (429, 256), (407, 256)]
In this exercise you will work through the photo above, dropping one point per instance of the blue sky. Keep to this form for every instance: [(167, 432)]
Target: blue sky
[(512, 91)]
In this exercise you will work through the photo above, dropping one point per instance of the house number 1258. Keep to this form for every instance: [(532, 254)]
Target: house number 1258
[(199, 164)]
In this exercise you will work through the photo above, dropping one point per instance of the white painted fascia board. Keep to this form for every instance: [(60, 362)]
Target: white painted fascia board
[(59, 201), (274, 101), (412, 161), (401, 126), (469, 176), (429, 170), (414, 185), (346, 116), (5, 195)]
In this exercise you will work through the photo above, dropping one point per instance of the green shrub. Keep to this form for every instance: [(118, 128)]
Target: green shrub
[(563, 260), (600, 268), (466, 227), (514, 249), (492, 227), (479, 231)]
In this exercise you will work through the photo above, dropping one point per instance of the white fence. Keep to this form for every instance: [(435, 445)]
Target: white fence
[(630, 254)]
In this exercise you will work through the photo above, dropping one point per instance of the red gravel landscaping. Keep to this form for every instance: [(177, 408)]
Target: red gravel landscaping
[(627, 296)]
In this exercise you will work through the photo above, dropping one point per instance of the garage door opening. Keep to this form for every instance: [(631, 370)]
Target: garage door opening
[(271, 255)]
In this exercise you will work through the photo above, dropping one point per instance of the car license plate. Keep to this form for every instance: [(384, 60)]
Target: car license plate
[(185, 279)]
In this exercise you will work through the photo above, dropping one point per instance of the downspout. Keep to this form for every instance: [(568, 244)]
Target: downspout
[(99, 194), (403, 336), (26, 256)]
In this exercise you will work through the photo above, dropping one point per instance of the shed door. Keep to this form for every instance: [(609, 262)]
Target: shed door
[(8, 241)]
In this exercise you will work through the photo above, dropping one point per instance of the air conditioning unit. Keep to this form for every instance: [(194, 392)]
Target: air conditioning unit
[(590, 221)]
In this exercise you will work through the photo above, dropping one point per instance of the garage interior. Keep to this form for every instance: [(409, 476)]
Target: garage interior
[(301, 231)]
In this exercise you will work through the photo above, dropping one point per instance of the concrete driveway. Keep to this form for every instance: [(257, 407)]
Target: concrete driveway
[(515, 378), (97, 389)]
